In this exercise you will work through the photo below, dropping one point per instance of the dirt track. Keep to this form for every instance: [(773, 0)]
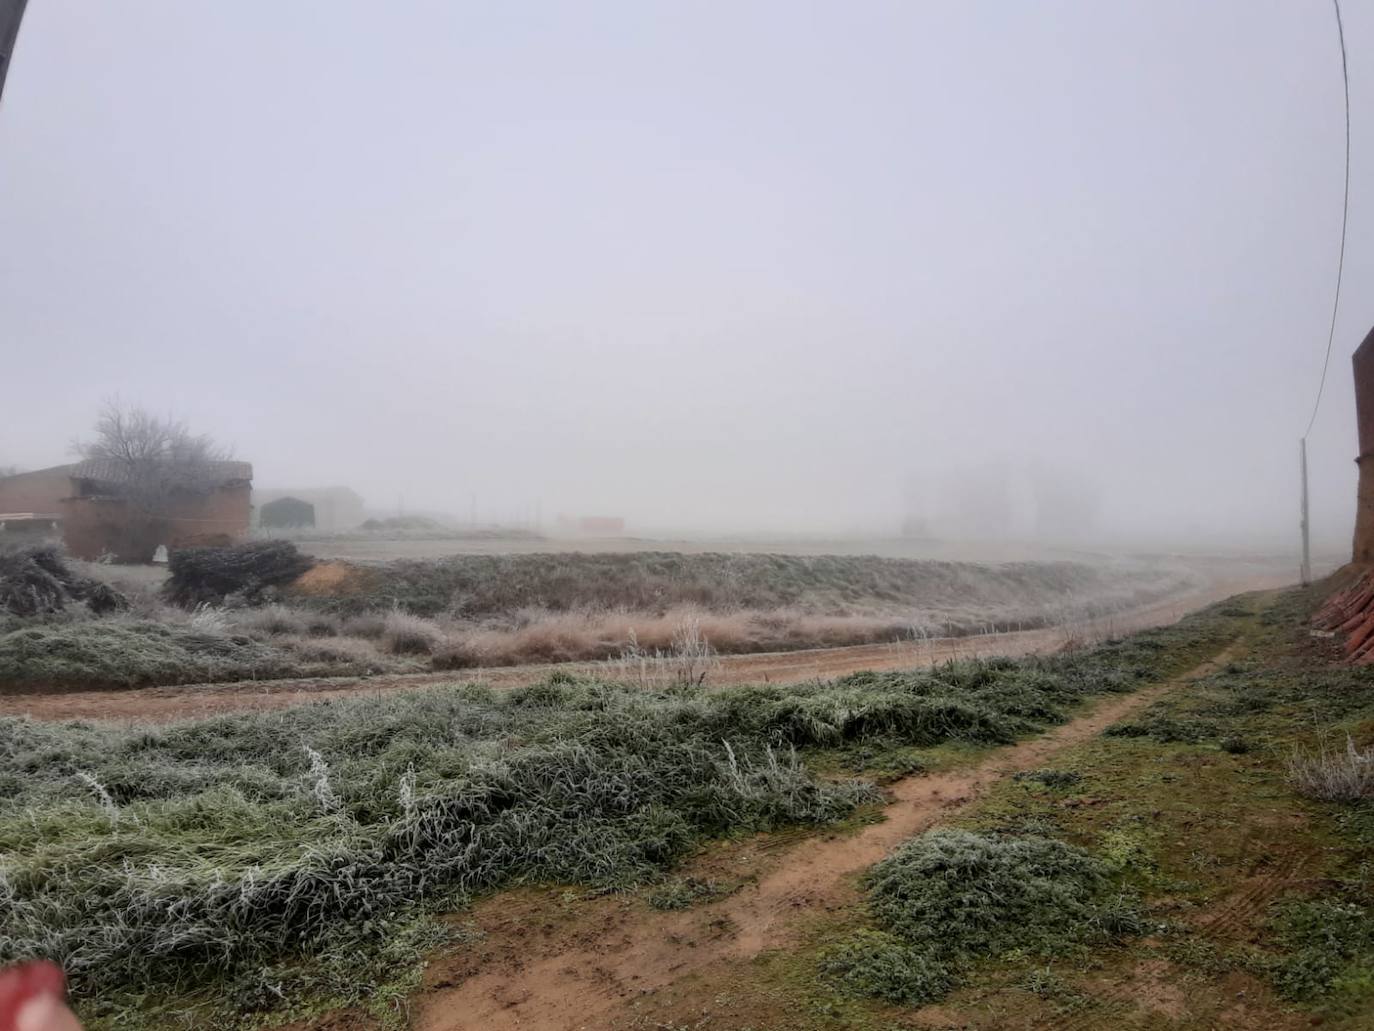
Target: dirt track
[(163, 704), (594, 969)]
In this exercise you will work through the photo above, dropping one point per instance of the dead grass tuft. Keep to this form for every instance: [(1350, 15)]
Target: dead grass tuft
[(1333, 774), (404, 634)]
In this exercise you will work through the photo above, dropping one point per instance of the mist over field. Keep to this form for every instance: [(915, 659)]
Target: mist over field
[(1057, 271)]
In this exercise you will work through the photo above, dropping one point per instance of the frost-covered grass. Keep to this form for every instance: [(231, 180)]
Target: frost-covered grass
[(949, 897), (251, 852)]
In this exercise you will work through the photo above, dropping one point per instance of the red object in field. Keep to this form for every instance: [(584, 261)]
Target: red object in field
[(24, 983)]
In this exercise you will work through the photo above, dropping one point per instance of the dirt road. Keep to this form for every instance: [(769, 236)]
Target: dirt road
[(596, 968), (164, 704)]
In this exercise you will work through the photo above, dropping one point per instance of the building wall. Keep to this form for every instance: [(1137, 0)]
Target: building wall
[(286, 512), (98, 525), (40, 491), (1363, 362)]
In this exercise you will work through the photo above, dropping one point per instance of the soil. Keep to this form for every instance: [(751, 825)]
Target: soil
[(164, 704), (324, 579)]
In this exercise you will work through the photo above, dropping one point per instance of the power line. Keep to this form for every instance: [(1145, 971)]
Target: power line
[(1345, 218)]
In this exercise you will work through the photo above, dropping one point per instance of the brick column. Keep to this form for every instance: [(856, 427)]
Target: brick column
[(1363, 362)]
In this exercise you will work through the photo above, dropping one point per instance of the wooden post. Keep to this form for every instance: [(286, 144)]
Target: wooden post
[(1306, 541)]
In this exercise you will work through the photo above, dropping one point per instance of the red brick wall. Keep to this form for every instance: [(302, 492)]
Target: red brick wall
[(1363, 361), (94, 526), (39, 491)]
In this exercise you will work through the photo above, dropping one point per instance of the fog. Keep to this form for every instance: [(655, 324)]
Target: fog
[(1058, 269)]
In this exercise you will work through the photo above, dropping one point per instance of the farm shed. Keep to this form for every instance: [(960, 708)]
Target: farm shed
[(285, 513), (336, 508)]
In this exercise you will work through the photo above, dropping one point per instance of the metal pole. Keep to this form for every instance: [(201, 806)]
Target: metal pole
[(11, 14), (1306, 544)]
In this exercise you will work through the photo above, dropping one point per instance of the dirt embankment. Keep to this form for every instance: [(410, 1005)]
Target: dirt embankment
[(163, 704)]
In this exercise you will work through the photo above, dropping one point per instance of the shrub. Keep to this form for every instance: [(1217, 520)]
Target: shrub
[(949, 896), (36, 581), (1235, 744), (365, 624), (320, 624), (1333, 775), (270, 620), (244, 572), (456, 653), (404, 634)]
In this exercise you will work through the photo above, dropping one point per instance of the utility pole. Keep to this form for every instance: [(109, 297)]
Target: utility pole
[(11, 14), (1306, 542)]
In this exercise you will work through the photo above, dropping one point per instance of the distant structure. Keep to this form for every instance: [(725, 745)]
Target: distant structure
[(91, 502), (1000, 500), (286, 513), (1363, 362), (592, 526), (334, 508)]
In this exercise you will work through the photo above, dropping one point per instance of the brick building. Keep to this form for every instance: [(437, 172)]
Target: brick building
[(98, 517), (37, 493)]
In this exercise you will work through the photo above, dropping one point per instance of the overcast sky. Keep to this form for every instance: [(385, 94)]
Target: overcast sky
[(716, 265)]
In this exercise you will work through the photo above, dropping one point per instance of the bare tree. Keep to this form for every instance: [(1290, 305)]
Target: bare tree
[(152, 459)]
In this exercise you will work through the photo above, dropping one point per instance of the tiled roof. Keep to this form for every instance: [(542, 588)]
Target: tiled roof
[(104, 470)]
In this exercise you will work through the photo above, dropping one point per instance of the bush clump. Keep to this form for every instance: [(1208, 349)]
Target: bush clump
[(37, 582), (949, 896), (1333, 774), (242, 572), (404, 634)]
